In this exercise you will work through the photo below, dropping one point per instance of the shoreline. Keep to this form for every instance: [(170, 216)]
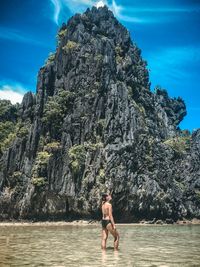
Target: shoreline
[(94, 223)]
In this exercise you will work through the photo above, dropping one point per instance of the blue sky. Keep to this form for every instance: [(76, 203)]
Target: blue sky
[(166, 31)]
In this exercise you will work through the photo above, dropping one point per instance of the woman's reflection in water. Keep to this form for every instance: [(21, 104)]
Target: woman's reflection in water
[(110, 256)]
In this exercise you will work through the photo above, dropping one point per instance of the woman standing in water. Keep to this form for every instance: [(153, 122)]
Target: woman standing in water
[(108, 224)]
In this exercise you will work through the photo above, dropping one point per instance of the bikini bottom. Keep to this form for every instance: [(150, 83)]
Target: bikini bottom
[(105, 223)]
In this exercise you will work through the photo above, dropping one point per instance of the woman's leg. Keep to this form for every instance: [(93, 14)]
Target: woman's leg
[(115, 234), (104, 238)]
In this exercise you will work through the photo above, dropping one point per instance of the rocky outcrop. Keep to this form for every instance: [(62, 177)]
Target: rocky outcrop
[(95, 125)]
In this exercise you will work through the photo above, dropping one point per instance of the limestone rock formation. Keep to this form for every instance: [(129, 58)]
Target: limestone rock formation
[(95, 125)]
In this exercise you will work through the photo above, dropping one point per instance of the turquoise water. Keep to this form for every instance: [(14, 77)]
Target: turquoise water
[(57, 246)]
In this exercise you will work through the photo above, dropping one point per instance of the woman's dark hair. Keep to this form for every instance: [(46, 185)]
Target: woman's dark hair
[(103, 196)]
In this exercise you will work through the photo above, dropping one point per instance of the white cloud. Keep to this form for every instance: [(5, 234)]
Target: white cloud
[(73, 5), (79, 6), (14, 93), (144, 15), (57, 8), (100, 4), (116, 9), (121, 12), (138, 14)]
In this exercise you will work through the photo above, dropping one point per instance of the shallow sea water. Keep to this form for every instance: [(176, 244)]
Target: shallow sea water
[(73, 246)]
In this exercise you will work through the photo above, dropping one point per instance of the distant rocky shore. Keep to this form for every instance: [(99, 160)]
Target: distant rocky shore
[(96, 223)]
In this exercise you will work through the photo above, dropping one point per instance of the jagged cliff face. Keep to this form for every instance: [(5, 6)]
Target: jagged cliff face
[(94, 125)]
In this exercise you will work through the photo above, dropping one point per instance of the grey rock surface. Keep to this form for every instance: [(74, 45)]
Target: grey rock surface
[(94, 125)]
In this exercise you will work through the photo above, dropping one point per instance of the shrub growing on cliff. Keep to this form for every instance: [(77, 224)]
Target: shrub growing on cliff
[(9, 131), (65, 99), (15, 179), (52, 147), (70, 46), (180, 144), (38, 181), (17, 174), (39, 170), (43, 157), (61, 34), (55, 110), (98, 58), (40, 162), (92, 147), (119, 54), (22, 131), (8, 141), (8, 121), (6, 128), (52, 112), (8, 112), (77, 155)]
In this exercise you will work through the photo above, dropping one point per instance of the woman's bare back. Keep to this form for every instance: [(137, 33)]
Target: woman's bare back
[(106, 211)]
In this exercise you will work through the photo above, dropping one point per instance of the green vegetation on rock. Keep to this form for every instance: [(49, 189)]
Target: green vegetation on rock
[(8, 121), (9, 132), (52, 111), (61, 34), (102, 123), (93, 146), (180, 144), (22, 130), (6, 128), (119, 51), (43, 157), (77, 155), (8, 112), (39, 170), (51, 147), (98, 57), (11, 125), (55, 110), (38, 181), (70, 46)]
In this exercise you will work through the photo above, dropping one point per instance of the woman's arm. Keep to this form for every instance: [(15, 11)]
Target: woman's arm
[(111, 216)]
